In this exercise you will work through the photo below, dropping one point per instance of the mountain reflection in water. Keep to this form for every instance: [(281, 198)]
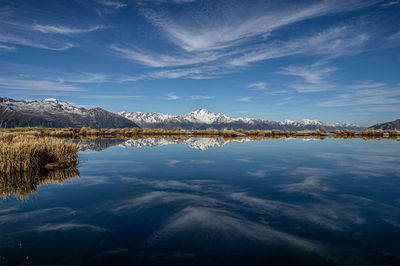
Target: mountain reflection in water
[(198, 143)]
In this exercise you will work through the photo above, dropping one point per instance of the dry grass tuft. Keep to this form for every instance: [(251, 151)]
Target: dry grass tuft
[(22, 152)]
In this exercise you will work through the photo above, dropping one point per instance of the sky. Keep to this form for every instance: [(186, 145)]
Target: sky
[(320, 59)]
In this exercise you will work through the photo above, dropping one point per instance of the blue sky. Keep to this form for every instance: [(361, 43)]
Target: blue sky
[(329, 60)]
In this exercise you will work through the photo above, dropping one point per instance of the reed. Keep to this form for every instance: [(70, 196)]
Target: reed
[(26, 151)]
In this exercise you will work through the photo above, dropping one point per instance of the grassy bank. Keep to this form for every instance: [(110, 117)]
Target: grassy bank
[(137, 133), (28, 151)]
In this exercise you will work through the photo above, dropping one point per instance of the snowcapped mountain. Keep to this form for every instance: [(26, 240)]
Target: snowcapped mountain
[(53, 113), (204, 119)]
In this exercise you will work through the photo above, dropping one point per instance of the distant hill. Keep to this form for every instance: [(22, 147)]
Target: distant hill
[(204, 119), (57, 114), (388, 125)]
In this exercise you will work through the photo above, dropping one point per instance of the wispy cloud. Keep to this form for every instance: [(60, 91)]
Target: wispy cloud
[(384, 109), (173, 162), (231, 42), (186, 73), (168, 1), (39, 85), (6, 47), (42, 43), (244, 99), (330, 43), (366, 93), (395, 36), (257, 173), (111, 96), (112, 4), (215, 31), (390, 3), (258, 86), (310, 74), (201, 161), (368, 85), (171, 96), (58, 29), (201, 97), (85, 77), (154, 59)]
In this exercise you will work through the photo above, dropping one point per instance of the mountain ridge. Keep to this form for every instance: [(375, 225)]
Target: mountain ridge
[(392, 125), (204, 119), (51, 112)]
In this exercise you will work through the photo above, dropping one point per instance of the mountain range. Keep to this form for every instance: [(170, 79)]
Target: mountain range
[(204, 119), (57, 114), (51, 112)]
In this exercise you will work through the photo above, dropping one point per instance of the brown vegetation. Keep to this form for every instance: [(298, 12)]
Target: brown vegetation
[(28, 151), (140, 132)]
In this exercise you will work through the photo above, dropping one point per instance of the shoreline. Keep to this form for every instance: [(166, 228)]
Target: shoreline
[(78, 133)]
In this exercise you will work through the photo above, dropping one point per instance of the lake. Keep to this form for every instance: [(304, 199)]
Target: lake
[(200, 201)]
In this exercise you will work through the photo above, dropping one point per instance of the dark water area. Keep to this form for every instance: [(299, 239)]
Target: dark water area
[(205, 201)]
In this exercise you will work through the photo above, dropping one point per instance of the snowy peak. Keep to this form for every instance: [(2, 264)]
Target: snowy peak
[(205, 116), (48, 105), (50, 100), (142, 117)]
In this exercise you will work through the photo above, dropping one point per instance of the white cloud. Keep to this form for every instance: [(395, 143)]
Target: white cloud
[(310, 74), (395, 36), (385, 109), (173, 162), (58, 29), (168, 1), (201, 97), (368, 85), (229, 42), (112, 4), (258, 86), (6, 47), (39, 85), (111, 96), (172, 96), (153, 59), (85, 78), (201, 162), (244, 99), (331, 43), (257, 173), (391, 3), (314, 78), (234, 26), (369, 93), (187, 73), (41, 43)]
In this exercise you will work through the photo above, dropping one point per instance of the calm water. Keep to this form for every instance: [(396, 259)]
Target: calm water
[(208, 202)]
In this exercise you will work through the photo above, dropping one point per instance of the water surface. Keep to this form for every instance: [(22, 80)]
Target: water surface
[(203, 201)]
